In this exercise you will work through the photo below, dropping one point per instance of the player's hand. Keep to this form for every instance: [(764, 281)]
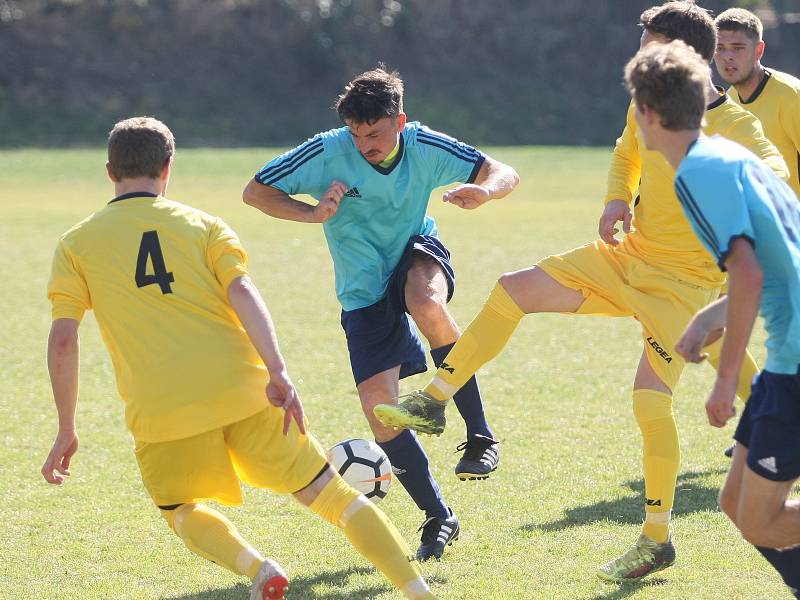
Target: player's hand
[(329, 203), (56, 467), (719, 406), (691, 344), (467, 196), (615, 211), (282, 393)]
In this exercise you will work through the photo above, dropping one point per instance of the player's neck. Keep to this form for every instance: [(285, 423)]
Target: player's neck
[(675, 145), (712, 92), (746, 88), (140, 184)]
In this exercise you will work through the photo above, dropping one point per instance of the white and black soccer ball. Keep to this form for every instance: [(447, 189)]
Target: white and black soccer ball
[(363, 465)]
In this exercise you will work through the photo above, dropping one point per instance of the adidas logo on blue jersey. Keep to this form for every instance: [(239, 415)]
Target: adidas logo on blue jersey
[(353, 193)]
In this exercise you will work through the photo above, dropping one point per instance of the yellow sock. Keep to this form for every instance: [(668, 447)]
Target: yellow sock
[(485, 337), (661, 458), (749, 368), (209, 534), (372, 534)]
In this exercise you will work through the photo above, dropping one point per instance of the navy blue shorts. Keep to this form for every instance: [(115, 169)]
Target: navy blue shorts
[(770, 426), (382, 336)]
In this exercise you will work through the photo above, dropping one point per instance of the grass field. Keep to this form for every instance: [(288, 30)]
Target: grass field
[(568, 494)]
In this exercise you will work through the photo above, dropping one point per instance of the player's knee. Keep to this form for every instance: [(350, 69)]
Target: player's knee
[(728, 501), (175, 514), (426, 307)]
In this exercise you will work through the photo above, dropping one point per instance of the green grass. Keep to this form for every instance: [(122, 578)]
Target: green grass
[(568, 495)]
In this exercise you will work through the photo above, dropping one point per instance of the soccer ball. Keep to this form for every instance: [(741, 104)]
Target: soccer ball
[(363, 465)]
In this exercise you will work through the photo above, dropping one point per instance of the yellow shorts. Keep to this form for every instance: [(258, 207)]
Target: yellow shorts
[(618, 284), (211, 465)]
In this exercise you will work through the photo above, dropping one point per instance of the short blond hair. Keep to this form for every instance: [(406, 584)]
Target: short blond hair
[(671, 79), (139, 147), (739, 19)]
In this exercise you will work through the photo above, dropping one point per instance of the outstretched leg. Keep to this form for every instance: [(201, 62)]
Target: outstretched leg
[(368, 529)]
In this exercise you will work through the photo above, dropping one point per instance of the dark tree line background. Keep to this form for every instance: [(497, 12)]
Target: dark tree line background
[(266, 72)]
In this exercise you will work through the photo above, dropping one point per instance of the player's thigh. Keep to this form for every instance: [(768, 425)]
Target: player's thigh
[(587, 280), (189, 470), (266, 458), (664, 306), (760, 501), (425, 281), (729, 493)]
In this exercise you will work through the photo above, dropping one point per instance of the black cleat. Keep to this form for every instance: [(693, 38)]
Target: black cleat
[(436, 534), (729, 450), (481, 455)]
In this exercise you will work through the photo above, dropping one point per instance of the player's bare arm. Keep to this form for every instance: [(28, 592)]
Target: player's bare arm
[(708, 321), (744, 296), (494, 180), (281, 205), (63, 364), (257, 322), (614, 212)]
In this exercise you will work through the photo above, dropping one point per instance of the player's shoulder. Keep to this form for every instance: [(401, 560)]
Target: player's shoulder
[(726, 117), (75, 232), (423, 138), (333, 142), (711, 152), (784, 83)]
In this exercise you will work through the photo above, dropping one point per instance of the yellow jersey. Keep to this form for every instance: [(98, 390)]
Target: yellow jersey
[(156, 274), (776, 103), (661, 234)]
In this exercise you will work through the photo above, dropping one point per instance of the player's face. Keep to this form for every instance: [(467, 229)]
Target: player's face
[(736, 56), (375, 141)]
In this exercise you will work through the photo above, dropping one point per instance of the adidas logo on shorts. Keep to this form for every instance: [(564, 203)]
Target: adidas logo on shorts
[(769, 464)]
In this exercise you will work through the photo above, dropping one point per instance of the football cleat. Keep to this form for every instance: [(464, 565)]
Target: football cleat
[(644, 558), (729, 450), (270, 583), (436, 534), (417, 411), (481, 455)]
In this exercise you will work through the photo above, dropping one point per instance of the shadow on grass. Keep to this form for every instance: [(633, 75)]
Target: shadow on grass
[(623, 590), (302, 588), (691, 496)]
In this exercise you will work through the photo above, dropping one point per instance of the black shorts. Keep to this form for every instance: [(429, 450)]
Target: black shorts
[(382, 336), (770, 426)]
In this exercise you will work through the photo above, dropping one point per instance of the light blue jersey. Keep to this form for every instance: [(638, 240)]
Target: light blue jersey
[(382, 208), (728, 193)]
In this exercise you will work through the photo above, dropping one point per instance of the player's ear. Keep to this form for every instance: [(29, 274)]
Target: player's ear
[(760, 47), (401, 121), (165, 170), (111, 175)]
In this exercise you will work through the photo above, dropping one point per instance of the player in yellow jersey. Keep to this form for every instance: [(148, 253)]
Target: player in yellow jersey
[(207, 394), (659, 273), (772, 96)]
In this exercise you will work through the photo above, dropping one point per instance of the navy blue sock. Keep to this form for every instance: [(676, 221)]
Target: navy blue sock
[(410, 466), (467, 399), (787, 563)]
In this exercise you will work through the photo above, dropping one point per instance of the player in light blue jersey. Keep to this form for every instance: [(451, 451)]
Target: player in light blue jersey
[(372, 181), (749, 221)]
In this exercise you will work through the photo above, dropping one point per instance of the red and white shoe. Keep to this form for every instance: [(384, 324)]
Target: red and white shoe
[(270, 583)]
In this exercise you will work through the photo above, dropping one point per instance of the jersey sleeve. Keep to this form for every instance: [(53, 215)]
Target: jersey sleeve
[(747, 131), (67, 289), (716, 207), (449, 160), (296, 171), (790, 119), (226, 255), (626, 164)]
